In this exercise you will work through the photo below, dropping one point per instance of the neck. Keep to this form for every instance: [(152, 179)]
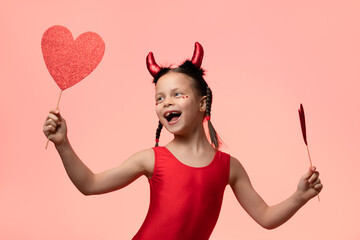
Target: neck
[(195, 141)]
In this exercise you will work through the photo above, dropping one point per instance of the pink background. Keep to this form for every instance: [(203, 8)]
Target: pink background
[(263, 58)]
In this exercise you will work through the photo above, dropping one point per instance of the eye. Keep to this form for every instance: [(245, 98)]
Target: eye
[(159, 99), (177, 94)]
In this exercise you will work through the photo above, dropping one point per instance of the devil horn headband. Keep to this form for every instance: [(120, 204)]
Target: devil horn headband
[(196, 59)]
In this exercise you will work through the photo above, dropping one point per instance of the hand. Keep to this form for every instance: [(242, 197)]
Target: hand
[(310, 184), (55, 127)]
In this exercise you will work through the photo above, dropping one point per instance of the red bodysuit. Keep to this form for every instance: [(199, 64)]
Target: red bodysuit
[(185, 201)]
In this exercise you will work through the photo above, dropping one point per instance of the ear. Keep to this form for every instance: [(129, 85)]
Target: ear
[(203, 104)]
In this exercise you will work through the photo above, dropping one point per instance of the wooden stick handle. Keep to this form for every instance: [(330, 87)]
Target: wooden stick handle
[(309, 155), (57, 106), (307, 147)]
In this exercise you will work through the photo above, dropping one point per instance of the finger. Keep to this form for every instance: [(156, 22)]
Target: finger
[(54, 117), (313, 177), (318, 187), (60, 117), (54, 111), (313, 184), (47, 122), (48, 130), (309, 173), (51, 122)]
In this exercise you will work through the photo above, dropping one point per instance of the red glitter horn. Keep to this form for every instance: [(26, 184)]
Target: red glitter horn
[(198, 55), (152, 65)]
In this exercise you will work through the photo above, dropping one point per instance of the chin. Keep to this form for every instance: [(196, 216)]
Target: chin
[(175, 130)]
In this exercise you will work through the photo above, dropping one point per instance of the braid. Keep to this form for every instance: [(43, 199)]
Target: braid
[(208, 102), (158, 131), (212, 132)]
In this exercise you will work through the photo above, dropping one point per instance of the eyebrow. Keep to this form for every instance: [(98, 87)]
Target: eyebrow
[(172, 90)]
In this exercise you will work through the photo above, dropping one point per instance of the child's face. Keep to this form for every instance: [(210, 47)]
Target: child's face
[(178, 106)]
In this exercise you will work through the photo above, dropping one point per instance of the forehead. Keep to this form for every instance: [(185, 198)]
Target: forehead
[(173, 80)]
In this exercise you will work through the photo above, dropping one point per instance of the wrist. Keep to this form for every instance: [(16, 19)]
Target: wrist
[(299, 198), (62, 145)]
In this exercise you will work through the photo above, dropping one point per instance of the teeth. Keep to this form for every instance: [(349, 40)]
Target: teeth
[(168, 113)]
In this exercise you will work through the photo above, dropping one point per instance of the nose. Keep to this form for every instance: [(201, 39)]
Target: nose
[(168, 102)]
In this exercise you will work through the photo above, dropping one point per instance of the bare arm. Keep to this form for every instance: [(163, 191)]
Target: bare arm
[(271, 217), (83, 178)]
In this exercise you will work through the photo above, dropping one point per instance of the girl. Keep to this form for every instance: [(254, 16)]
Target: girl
[(187, 176)]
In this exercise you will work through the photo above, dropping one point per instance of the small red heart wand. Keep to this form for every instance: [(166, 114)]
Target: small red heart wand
[(303, 129)]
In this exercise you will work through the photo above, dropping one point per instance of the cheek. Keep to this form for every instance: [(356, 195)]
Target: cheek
[(189, 104), (157, 110), (186, 101)]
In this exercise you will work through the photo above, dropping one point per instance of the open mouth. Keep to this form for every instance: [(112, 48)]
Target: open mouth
[(172, 116)]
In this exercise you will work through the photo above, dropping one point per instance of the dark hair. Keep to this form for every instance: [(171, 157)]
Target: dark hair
[(201, 87)]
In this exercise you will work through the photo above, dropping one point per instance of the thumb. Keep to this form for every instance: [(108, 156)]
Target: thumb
[(59, 115), (309, 173), (61, 119)]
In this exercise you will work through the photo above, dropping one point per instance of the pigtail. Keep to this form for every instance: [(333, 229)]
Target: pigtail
[(213, 134), (158, 131)]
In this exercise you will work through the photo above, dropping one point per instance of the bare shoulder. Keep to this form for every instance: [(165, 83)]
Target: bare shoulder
[(237, 171), (144, 159), (118, 177)]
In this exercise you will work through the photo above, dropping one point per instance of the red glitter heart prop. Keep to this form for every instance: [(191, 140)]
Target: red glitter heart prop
[(69, 61)]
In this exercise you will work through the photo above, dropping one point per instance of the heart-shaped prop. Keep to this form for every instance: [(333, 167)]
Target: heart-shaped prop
[(303, 130), (69, 61)]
